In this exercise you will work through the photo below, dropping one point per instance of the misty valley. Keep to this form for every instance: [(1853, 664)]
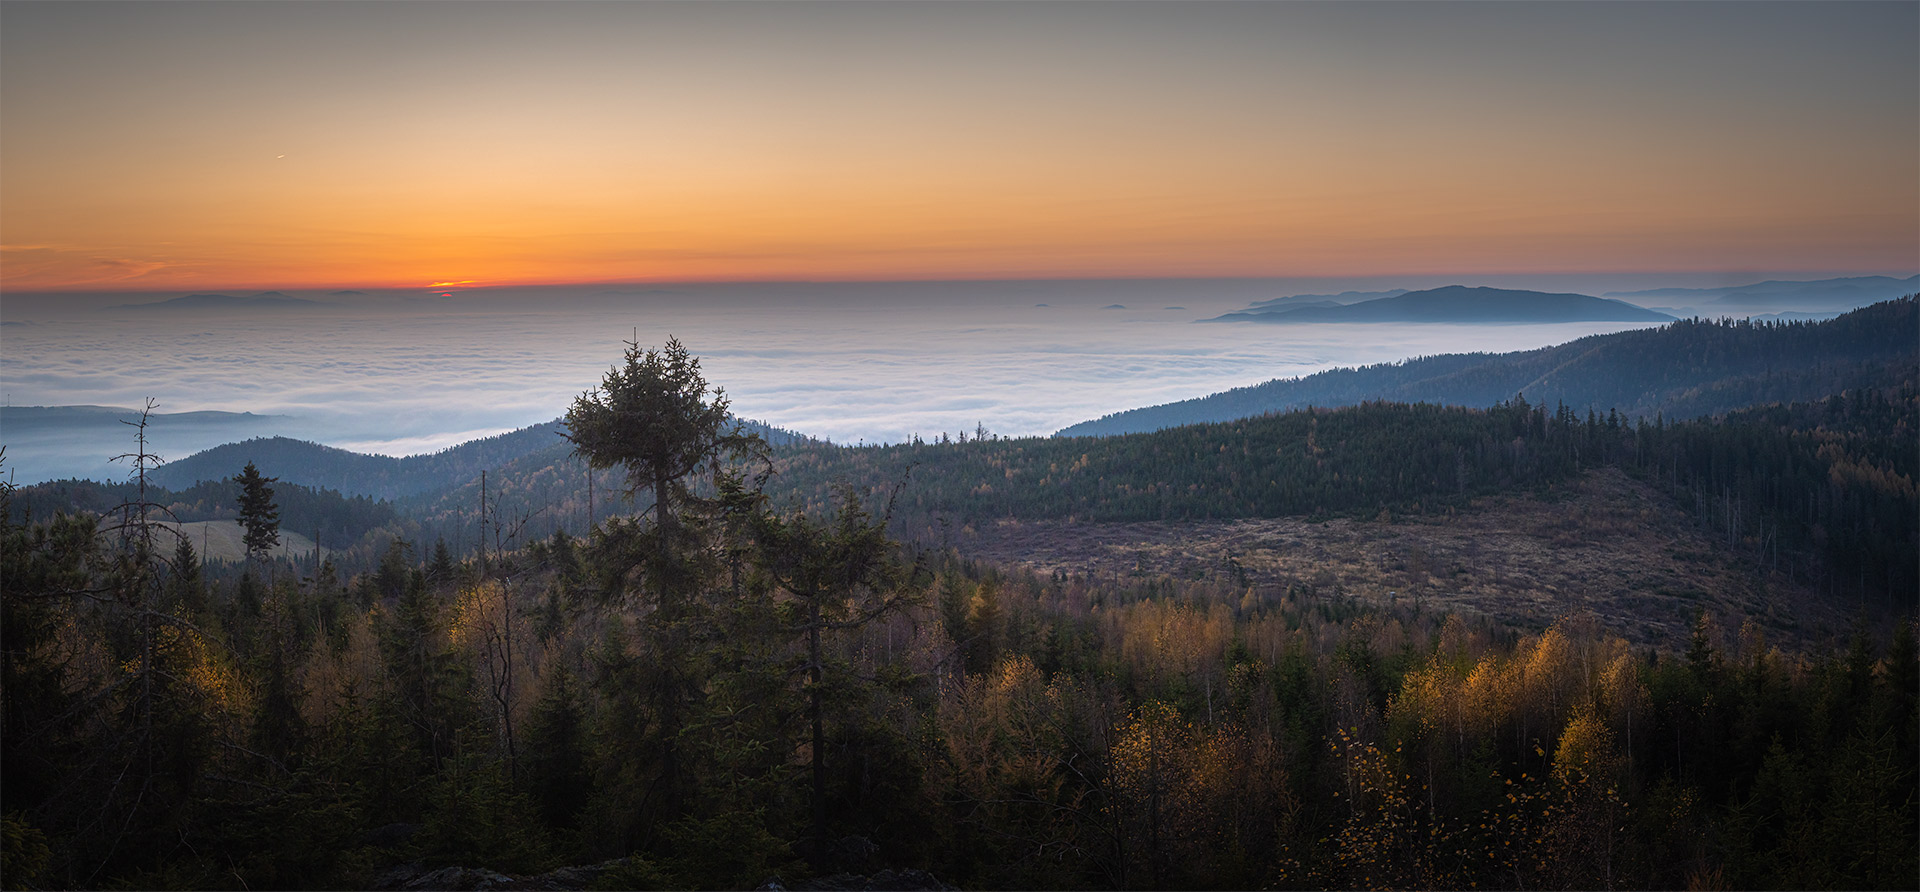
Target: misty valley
[(1633, 610)]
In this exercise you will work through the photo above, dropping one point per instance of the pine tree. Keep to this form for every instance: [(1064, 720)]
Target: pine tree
[(440, 570), (841, 575), (186, 591), (656, 417), (557, 774), (259, 516), (652, 416)]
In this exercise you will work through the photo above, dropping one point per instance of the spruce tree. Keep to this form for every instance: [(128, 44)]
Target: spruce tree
[(440, 570), (259, 516), (186, 591), (655, 417)]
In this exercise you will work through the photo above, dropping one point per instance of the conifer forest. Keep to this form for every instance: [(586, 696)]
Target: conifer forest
[(673, 651)]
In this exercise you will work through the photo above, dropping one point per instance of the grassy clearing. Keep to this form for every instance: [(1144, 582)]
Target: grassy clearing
[(1608, 544)]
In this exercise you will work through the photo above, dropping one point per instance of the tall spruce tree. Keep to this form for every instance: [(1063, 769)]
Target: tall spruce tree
[(259, 516), (655, 417), (840, 575)]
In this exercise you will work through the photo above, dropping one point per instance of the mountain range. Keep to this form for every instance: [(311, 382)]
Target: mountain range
[(380, 476), (51, 442), (1815, 296), (1684, 369), (1451, 304), (1326, 300)]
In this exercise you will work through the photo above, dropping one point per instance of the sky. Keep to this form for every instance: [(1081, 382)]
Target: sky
[(183, 146)]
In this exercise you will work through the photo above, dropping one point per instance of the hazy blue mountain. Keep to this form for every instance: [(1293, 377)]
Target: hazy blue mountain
[(30, 420), (265, 300), (1812, 296), (1459, 304), (380, 476), (1315, 300), (52, 442), (354, 473), (1688, 368)]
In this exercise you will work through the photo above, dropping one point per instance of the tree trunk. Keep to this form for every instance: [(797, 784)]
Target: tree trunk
[(660, 526)]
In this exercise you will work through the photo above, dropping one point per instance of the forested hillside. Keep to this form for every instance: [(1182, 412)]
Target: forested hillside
[(1822, 490), (1685, 369), (336, 520), (354, 473), (727, 691)]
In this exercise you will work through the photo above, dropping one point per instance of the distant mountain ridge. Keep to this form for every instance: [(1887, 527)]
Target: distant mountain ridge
[(1685, 369), (263, 300), (1821, 294), (354, 473), (20, 418), (380, 476), (1316, 300), (1456, 304), (52, 442)]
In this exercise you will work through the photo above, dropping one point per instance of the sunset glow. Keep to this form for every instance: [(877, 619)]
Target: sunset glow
[(184, 146)]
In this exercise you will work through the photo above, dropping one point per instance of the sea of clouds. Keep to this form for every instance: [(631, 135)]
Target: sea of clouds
[(401, 373)]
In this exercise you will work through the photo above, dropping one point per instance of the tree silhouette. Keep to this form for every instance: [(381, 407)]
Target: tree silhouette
[(655, 417), (841, 575), (259, 516)]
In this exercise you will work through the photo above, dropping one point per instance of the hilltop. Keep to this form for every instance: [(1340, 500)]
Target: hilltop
[(1685, 369)]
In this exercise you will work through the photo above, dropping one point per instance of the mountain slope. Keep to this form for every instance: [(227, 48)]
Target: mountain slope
[(380, 476), (52, 442), (353, 473), (334, 519), (1324, 300), (1824, 294), (1459, 304), (1686, 369)]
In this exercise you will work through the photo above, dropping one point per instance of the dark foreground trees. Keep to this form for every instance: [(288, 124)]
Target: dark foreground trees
[(729, 590), (773, 696), (655, 417)]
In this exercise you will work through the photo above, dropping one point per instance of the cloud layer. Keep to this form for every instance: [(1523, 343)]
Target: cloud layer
[(869, 363)]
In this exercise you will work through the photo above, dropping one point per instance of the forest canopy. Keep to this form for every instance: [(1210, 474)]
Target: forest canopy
[(777, 672)]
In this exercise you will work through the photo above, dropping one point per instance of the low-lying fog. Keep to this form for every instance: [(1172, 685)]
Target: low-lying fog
[(406, 373)]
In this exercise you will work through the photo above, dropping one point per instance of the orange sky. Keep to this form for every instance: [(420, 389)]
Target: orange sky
[(184, 146)]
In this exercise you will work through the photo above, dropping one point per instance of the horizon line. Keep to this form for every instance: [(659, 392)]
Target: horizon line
[(1752, 275)]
